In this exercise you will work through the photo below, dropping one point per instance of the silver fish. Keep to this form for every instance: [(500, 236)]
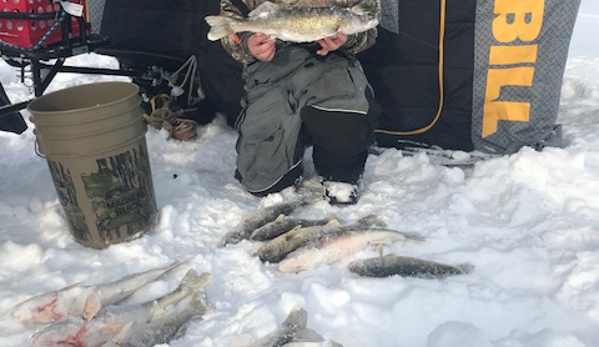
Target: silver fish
[(339, 243), (262, 217), (109, 321), (294, 329), (75, 299), (295, 24), (391, 265), (278, 248), (170, 326), (282, 225)]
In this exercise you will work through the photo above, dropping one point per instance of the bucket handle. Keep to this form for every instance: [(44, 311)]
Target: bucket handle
[(36, 145), (37, 149)]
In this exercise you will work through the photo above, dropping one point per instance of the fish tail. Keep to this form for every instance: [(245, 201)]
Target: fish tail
[(198, 305), (192, 281), (189, 285), (219, 27), (465, 268), (176, 265), (297, 318)]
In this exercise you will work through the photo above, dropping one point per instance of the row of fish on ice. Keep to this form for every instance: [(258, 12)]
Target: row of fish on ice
[(296, 244), (92, 316)]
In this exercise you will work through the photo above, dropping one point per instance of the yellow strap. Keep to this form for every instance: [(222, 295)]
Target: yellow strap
[(441, 84)]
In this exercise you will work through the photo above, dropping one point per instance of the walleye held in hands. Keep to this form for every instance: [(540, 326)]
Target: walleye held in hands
[(296, 24)]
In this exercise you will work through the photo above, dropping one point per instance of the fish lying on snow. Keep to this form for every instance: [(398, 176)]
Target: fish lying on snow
[(392, 264), (295, 24), (293, 331), (163, 328), (84, 300), (338, 243), (110, 320), (284, 224), (280, 247), (262, 217)]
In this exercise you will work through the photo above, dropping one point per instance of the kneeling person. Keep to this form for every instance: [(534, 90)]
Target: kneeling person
[(299, 95)]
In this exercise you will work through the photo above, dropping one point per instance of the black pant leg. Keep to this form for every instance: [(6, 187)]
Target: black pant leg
[(341, 141)]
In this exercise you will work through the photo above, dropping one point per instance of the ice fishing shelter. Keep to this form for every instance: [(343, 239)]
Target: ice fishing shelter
[(459, 74), (470, 74)]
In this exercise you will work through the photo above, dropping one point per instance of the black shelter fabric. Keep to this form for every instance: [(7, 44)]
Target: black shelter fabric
[(166, 34), (12, 122), (404, 70)]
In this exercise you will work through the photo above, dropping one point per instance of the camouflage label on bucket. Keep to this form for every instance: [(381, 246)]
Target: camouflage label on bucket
[(122, 194), (67, 194)]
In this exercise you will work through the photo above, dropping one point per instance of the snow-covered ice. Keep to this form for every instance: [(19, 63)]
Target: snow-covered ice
[(528, 222)]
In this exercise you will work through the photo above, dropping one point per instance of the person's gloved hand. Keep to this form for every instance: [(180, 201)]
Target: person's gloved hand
[(262, 46), (332, 43)]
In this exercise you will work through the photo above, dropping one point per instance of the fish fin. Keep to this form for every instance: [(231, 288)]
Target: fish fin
[(333, 223), (264, 9), (307, 335), (329, 30), (291, 234), (280, 218), (413, 236), (182, 331), (192, 281), (364, 9), (232, 237), (158, 314), (219, 27), (198, 304), (120, 336), (297, 319), (92, 307), (388, 258), (380, 249), (371, 220), (360, 10), (176, 265), (190, 284), (381, 243)]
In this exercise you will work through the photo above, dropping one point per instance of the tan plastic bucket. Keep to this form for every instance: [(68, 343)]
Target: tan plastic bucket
[(93, 138)]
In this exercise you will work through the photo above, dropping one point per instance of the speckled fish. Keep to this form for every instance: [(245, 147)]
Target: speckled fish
[(83, 300), (109, 321), (391, 265), (284, 224), (260, 218), (339, 243), (295, 24), (278, 248), (162, 329)]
